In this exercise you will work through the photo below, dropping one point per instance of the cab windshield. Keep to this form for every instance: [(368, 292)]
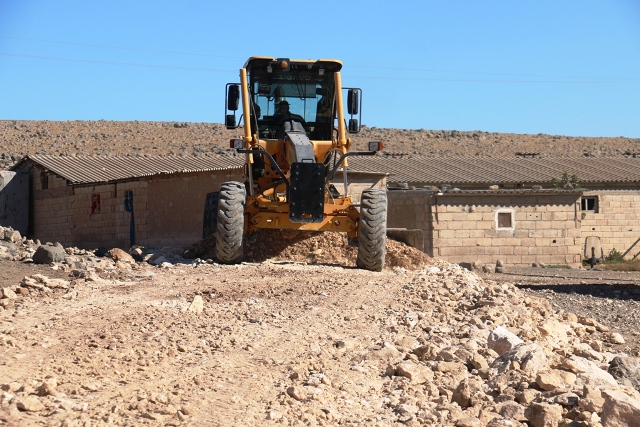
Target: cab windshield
[(307, 92)]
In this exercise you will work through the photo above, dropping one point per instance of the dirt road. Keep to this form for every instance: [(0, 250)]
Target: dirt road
[(288, 343)]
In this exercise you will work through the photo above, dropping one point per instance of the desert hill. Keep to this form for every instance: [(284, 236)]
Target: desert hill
[(22, 137)]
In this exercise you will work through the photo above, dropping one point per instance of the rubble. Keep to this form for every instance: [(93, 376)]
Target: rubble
[(302, 341)]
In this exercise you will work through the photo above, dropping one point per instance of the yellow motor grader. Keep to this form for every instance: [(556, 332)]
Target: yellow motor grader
[(294, 142)]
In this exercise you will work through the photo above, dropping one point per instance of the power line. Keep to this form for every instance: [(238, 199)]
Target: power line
[(429, 70), (135, 49), (124, 64), (545, 78), (452, 80)]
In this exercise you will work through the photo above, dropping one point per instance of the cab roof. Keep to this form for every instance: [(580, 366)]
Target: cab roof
[(335, 64)]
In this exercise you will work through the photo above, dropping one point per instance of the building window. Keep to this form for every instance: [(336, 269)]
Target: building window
[(589, 204), (505, 219)]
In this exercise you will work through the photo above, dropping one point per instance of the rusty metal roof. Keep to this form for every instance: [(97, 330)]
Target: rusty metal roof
[(469, 170), (83, 169)]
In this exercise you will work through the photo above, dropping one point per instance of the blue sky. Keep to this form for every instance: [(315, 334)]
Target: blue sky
[(560, 67)]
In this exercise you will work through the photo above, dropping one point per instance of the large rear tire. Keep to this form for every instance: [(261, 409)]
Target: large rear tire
[(372, 235), (230, 227)]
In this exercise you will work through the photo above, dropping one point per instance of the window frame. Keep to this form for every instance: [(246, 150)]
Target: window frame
[(512, 215), (596, 204)]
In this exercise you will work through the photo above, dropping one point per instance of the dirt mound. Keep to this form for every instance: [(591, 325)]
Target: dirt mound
[(311, 247)]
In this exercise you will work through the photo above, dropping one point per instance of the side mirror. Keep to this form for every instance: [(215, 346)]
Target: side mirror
[(233, 97), (353, 126), (352, 101), (230, 121)]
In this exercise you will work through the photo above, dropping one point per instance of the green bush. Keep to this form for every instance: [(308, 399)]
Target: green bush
[(614, 257)]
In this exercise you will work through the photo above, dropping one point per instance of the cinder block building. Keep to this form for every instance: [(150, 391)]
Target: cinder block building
[(467, 208), (118, 201), (488, 209)]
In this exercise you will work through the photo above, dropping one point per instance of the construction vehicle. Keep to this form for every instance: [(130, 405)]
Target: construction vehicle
[(294, 142)]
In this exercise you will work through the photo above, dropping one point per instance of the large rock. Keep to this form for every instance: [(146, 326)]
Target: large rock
[(589, 373), (554, 379), (530, 358), (46, 254), (467, 392), (626, 370), (118, 254), (11, 235), (7, 293), (543, 414), (620, 410), (501, 340), (418, 374), (29, 404)]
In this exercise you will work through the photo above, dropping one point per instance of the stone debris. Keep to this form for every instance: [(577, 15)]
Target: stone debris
[(300, 344), (49, 253), (197, 305)]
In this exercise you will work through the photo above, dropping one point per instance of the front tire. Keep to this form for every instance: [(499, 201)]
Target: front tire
[(230, 227), (372, 229)]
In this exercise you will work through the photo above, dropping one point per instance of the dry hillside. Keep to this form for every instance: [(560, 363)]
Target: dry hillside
[(19, 138)]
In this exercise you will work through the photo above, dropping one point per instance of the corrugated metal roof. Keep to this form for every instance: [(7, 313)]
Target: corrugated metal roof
[(492, 170), (93, 169), (424, 170)]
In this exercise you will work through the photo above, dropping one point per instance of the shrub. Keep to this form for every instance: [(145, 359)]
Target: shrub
[(614, 257)]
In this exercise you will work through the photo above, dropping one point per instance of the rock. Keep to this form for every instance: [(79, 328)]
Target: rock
[(468, 422), (589, 372), (626, 370), (616, 338), (418, 374), (48, 254), (527, 396), (117, 254), (620, 410), (488, 269), (101, 252), (501, 340), (7, 293), (466, 392), (592, 400), (567, 399), (529, 357), (296, 392), (29, 404), (12, 236), (137, 252), (158, 260), (555, 379), (511, 410), (48, 387), (543, 414), (197, 306), (554, 332)]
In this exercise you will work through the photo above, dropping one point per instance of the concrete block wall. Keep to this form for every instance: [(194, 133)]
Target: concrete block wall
[(108, 226), (464, 228), (616, 221), (51, 208), (411, 209), (14, 201), (544, 228), (175, 206)]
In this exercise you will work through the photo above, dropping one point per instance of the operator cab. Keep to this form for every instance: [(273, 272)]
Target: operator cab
[(288, 95)]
